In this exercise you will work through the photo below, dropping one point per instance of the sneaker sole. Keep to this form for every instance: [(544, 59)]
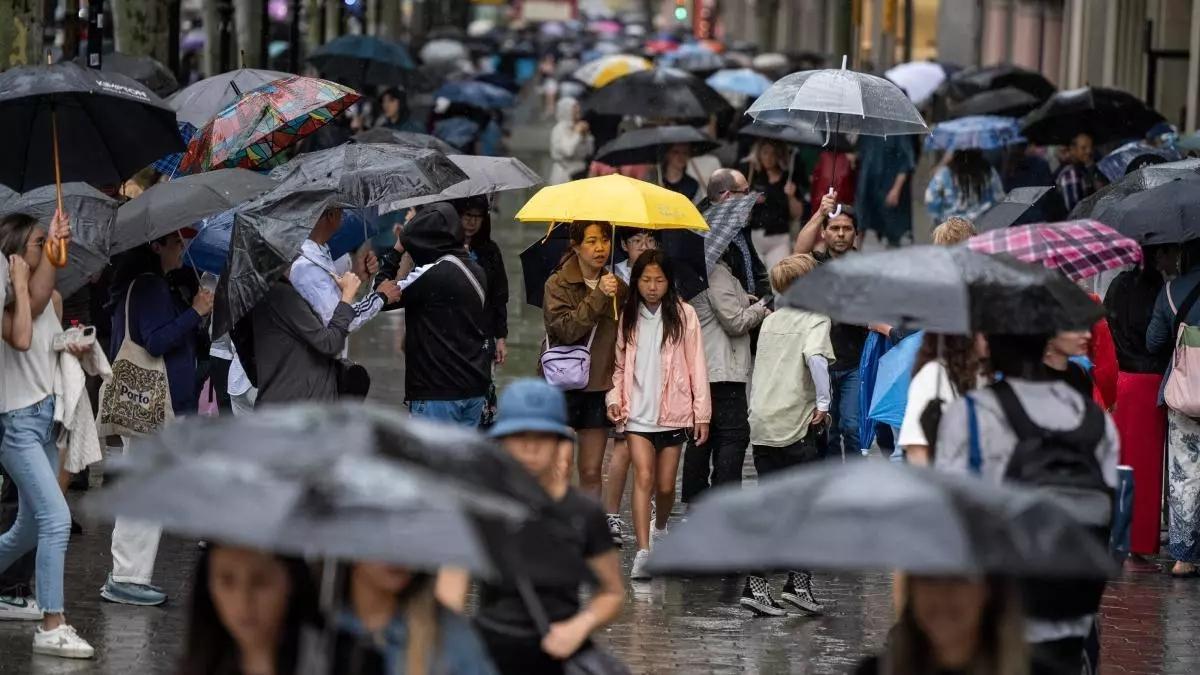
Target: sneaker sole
[(65, 653), (760, 609), (126, 601), (795, 601), (19, 615)]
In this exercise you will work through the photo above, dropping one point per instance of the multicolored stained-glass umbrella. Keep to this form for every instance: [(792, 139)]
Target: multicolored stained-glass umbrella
[(251, 132)]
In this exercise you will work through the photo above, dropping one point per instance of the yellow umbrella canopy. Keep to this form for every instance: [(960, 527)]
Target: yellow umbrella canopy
[(615, 199), (608, 68)]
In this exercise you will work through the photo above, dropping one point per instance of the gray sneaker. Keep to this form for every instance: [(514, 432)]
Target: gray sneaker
[(13, 608), (143, 595)]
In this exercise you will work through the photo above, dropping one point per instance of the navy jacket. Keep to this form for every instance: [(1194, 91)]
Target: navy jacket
[(164, 326)]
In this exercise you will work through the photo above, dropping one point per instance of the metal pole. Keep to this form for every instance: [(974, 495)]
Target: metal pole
[(225, 19), (265, 31), (173, 17), (294, 38)]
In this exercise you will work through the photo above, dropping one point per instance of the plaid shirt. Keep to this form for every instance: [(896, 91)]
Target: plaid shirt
[(1075, 182)]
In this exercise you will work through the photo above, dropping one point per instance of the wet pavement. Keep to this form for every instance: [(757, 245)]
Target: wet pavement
[(1151, 623)]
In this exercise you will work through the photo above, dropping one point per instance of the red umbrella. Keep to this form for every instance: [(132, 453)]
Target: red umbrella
[(1077, 248), (257, 127)]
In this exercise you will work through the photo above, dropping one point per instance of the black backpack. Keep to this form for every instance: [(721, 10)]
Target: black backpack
[(1063, 464)]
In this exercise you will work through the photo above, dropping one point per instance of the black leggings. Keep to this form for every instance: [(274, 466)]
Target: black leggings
[(519, 656)]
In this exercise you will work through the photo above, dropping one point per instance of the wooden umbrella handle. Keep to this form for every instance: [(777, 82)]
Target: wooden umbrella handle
[(56, 249)]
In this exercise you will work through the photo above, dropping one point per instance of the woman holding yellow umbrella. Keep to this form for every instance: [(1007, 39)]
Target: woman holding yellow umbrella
[(582, 295)]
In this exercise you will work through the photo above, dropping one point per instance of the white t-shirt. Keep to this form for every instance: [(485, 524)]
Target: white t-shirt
[(931, 381), (647, 373)]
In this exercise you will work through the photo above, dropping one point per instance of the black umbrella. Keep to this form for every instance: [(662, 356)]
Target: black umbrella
[(184, 201), (1022, 206), (109, 127), (540, 259), (1143, 179), (1167, 214), (649, 145), (1005, 102), (945, 290), (971, 81), (416, 140), (660, 93), (882, 516), (148, 71), (343, 481), (91, 214), (370, 174), (685, 249), (363, 60), (1106, 114)]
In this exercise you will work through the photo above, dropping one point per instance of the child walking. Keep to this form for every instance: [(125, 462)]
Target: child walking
[(660, 392)]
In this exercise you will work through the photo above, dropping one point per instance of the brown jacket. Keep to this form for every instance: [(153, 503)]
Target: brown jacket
[(571, 309)]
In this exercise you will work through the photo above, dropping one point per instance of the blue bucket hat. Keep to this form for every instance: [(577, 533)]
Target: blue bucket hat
[(531, 405)]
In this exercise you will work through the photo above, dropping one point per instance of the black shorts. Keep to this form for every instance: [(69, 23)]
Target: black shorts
[(662, 439), (586, 410)]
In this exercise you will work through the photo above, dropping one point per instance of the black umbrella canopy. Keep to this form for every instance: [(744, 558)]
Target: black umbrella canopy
[(363, 60), (1006, 102), (660, 93), (649, 145), (416, 140), (370, 174), (1143, 179), (1167, 214), (1106, 114), (540, 259), (1022, 206), (91, 214), (148, 71), (970, 81), (882, 516), (109, 126), (945, 290)]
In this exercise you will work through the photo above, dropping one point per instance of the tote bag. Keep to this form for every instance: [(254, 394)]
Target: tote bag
[(137, 400)]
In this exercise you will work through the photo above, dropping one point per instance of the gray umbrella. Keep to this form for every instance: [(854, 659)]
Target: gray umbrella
[(882, 516), (346, 481), (184, 201), (485, 176), (417, 140), (92, 215), (1146, 178), (198, 103), (945, 290)]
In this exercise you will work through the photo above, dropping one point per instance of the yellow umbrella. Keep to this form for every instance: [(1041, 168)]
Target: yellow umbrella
[(616, 199), (608, 68)]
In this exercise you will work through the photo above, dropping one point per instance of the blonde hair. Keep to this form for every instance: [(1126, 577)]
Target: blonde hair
[(791, 268), (421, 612), (955, 230)]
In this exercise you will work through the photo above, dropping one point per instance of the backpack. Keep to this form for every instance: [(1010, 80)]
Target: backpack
[(1182, 391), (1062, 464)]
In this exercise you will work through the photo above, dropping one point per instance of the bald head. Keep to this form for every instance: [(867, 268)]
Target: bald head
[(726, 182)]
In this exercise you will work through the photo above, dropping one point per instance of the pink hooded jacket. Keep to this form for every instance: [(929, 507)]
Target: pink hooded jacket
[(685, 397)]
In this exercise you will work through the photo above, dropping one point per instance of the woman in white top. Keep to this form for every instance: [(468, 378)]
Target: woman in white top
[(27, 451), (947, 367), (571, 142)]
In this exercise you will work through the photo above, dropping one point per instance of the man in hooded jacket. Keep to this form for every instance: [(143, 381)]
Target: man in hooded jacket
[(447, 369)]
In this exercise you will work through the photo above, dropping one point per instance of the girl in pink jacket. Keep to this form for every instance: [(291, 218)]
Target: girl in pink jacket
[(660, 391)]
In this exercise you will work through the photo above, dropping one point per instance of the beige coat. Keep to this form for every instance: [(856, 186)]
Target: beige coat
[(727, 315)]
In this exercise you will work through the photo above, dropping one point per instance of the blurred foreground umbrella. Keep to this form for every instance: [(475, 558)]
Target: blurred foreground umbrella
[(109, 127), (176, 204), (1132, 156), (443, 51), (198, 103), (739, 81), (980, 132), (412, 138), (944, 290), (661, 93), (148, 71), (918, 79), (485, 176), (1167, 214), (362, 60), (92, 215), (882, 516), (251, 132), (604, 70), (1080, 249), (1006, 102), (342, 481), (1022, 206), (1106, 114), (650, 145)]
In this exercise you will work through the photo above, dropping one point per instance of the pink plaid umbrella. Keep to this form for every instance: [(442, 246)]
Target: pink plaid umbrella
[(1077, 248)]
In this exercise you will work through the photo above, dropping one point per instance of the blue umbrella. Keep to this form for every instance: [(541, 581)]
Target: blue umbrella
[(476, 93), (363, 60), (1116, 164), (978, 132), (744, 81), (457, 131), (892, 377), (169, 165), (868, 366)]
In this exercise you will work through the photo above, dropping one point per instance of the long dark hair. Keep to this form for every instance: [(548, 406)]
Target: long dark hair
[(963, 366), (1018, 356), (971, 171), (671, 313), (15, 229), (211, 650)]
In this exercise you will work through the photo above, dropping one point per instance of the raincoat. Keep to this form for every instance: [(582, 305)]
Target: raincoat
[(569, 149)]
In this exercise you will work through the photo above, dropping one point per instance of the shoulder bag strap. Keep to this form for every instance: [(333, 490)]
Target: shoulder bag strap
[(1014, 412), (533, 605), (1183, 310), (591, 336), (470, 277), (974, 453), (128, 294)]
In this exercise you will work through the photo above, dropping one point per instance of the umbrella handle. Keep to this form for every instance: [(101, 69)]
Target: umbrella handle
[(613, 254), (56, 249)]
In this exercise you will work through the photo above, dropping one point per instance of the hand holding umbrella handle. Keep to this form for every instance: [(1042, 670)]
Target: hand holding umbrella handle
[(58, 241), (56, 246)]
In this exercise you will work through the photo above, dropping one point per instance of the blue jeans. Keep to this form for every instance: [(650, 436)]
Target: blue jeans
[(465, 412), (843, 433), (43, 520)]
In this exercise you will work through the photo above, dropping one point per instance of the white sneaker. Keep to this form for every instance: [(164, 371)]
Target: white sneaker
[(640, 561), (19, 609), (62, 641), (656, 535)]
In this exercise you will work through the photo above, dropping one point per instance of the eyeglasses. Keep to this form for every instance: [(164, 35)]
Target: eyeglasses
[(743, 191), (473, 215)]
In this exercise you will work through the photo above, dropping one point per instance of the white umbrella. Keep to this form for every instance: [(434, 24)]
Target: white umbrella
[(919, 79), (443, 51)]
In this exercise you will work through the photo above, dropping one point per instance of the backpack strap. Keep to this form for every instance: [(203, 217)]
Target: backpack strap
[(467, 272), (1185, 308), (1089, 432), (974, 452)]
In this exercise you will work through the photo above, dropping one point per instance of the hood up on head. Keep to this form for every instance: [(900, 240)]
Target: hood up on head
[(434, 232), (564, 111)]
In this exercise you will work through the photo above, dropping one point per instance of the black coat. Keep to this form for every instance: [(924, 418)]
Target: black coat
[(488, 255)]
